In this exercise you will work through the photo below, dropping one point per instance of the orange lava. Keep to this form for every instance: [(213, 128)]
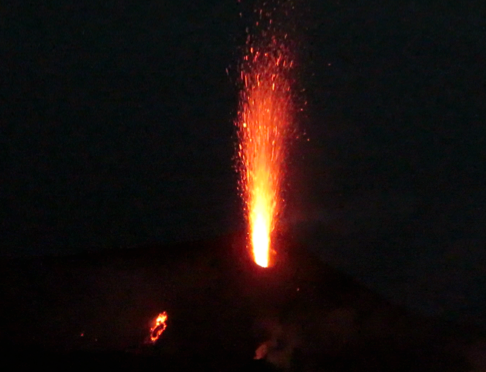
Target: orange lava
[(264, 126), (158, 327)]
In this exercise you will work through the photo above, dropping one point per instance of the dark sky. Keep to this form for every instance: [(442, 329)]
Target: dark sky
[(116, 122), (117, 129)]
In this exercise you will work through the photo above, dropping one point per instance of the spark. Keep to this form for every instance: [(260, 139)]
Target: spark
[(264, 127)]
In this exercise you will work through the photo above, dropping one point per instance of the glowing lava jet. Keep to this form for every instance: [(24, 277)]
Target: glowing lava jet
[(264, 126), (158, 327)]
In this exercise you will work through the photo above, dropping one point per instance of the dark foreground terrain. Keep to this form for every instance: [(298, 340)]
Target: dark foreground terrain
[(95, 310)]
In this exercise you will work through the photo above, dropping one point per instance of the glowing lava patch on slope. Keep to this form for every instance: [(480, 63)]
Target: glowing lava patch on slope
[(264, 126), (159, 327)]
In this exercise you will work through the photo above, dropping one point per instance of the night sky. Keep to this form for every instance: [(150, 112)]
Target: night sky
[(117, 129)]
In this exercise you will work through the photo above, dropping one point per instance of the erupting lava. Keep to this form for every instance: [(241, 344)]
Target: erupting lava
[(158, 327), (264, 126)]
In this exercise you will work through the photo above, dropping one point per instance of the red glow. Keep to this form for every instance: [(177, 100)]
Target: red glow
[(264, 126), (159, 327)]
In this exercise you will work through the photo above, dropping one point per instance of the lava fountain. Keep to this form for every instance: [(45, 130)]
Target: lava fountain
[(264, 127)]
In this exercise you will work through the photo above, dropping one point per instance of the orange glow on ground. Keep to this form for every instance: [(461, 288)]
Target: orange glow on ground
[(264, 126), (159, 327)]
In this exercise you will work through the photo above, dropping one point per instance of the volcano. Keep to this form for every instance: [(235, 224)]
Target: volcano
[(224, 313)]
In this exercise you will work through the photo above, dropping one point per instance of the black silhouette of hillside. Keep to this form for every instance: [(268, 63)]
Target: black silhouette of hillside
[(95, 310)]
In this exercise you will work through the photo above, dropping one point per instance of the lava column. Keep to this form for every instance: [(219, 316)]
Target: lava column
[(265, 125)]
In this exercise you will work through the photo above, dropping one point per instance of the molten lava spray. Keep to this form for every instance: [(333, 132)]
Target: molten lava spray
[(264, 126)]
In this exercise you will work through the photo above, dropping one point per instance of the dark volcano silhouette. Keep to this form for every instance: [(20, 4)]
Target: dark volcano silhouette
[(302, 315)]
